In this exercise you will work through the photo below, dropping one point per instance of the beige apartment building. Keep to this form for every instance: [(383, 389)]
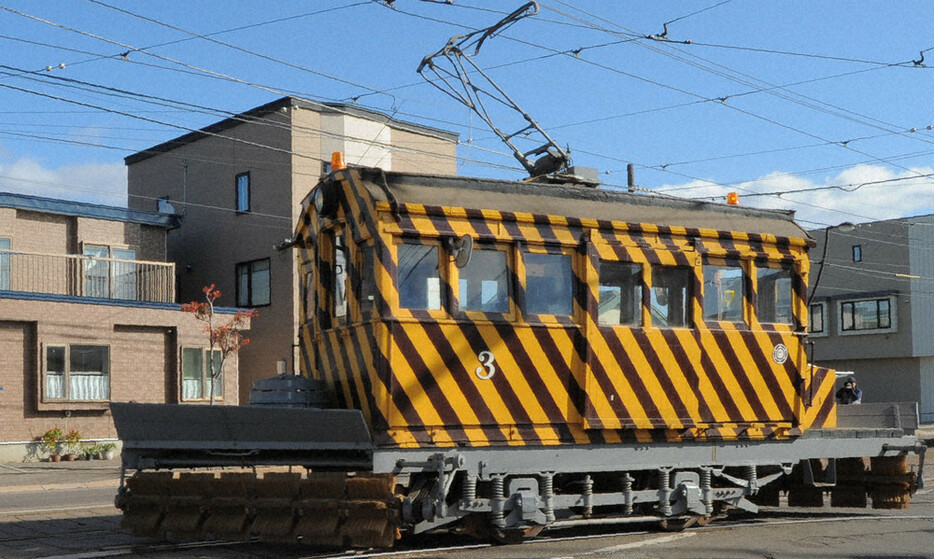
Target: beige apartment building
[(236, 187), (88, 316)]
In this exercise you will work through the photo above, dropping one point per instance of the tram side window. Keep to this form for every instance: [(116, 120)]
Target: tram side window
[(418, 279), (340, 279), (620, 294), (723, 291), (773, 299), (670, 299), (367, 282), (484, 282), (549, 284)]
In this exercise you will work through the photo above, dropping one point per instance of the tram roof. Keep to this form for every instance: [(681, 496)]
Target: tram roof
[(579, 202)]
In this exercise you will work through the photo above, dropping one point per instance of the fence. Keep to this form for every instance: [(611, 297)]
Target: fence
[(86, 276)]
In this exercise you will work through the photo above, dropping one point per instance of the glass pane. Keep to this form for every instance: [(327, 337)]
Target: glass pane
[(723, 293), (243, 285), (885, 315), (259, 283), (4, 264), (773, 300), (243, 193), (88, 373), (417, 277), (549, 284), (192, 371), (846, 313), (124, 274), (620, 294), (670, 296), (96, 272), (340, 278), (816, 322), (219, 381), (484, 284), (55, 372), (865, 315)]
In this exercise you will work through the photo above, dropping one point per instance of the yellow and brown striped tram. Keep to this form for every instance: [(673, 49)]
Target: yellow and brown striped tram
[(512, 356)]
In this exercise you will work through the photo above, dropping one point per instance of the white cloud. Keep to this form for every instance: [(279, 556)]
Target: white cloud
[(99, 183), (858, 194)]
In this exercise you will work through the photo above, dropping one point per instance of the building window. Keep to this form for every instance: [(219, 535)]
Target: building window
[(773, 295), (110, 272), (253, 283), (723, 291), (857, 253), (196, 374), (4, 263), (670, 297), (549, 284), (868, 314), (620, 294), (243, 192), (484, 282), (816, 318), (418, 278), (77, 373)]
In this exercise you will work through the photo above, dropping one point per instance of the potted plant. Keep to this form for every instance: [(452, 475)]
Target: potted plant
[(51, 441), (106, 450), (72, 444)]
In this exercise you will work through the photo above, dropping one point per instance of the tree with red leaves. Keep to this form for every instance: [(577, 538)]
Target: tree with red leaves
[(226, 337)]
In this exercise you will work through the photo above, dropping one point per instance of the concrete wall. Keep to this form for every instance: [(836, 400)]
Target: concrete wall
[(144, 344), (882, 380)]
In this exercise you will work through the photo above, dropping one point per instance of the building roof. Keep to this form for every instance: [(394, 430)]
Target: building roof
[(84, 209), (281, 103)]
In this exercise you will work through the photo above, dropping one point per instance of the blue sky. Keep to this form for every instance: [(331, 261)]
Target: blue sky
[(818, 107)]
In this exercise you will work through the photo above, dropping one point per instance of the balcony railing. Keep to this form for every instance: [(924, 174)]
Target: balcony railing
[(86, 276)]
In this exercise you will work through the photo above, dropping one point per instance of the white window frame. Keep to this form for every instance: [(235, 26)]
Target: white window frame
[(893, 316), (67, 395), (205, 376)]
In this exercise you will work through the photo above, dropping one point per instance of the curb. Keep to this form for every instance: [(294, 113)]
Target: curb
[(98, 484)]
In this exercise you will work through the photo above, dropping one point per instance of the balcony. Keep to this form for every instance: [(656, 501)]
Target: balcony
[(85, 276)]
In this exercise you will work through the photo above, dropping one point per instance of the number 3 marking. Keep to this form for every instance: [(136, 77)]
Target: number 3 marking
[(486, 370)]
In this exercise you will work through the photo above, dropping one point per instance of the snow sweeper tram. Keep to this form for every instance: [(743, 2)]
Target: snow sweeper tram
[(506, 357)]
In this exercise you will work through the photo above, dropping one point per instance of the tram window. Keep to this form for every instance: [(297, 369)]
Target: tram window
[(549, 284), (484, 282), (340, 279), (773, 299), (418, 278), (723, 291), (367, 282), (620, 294), (670, 297)]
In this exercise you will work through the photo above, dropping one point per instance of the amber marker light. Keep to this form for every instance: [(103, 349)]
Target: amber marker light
[(732, 198), (337, 161)]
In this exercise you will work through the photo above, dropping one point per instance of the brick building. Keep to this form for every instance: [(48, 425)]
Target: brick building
[(88, 316), (237, 186)]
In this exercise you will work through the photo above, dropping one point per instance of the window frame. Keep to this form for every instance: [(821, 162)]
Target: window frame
[(688, 297), (205, 375), (892, 316), (243, 197), (251, 303), (710, 262), (777, 265), (523, 305), (6, 264), (67, 397), (113, 279), (857, 253), (824, 309), (641, 318), (444, 295), (455, 283)]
